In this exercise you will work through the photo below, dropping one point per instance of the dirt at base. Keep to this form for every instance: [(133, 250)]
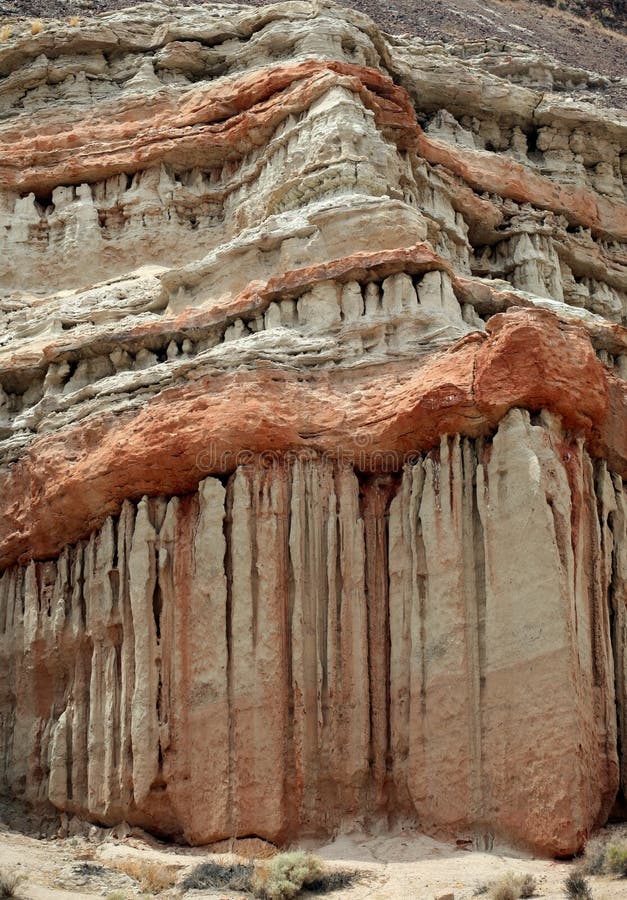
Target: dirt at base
[(399, 866)]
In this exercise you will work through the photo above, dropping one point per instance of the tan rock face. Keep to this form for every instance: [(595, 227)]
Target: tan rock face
[(311, 455)]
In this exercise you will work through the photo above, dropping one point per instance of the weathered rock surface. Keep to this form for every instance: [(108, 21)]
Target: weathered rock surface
[(306, 647), (313, 432)]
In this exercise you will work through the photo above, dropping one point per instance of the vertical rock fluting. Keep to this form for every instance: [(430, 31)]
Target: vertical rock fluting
[(304, 646), (230, 602), (501, 622)]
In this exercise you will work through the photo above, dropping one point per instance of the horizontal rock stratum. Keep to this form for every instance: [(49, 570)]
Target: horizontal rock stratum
[(313, 430)]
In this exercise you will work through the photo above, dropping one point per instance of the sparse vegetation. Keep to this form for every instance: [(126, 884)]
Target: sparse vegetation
[(89, 870), (605, 857), (5, 32), (594, 857), (481, 889), (36, 27), (282, 877), (577, 887), (153, 877), (74, 21), (8, 885), (216, 875), (333, 880), (279, 878), (512, 887), (607, 12), (616, 859), (528, 885)]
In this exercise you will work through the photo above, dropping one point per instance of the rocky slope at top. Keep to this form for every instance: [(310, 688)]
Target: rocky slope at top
[(544, 27), (313, 429), (611, 13)]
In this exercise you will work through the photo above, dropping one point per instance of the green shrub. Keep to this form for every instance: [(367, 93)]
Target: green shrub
[(616, 859), (576, 887), (283, 876)]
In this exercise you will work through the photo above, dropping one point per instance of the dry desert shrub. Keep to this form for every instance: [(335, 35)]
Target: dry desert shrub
[(153, 877), (36, 27), (214, 875), (269, 879), (616, 859), (333, 880), (605, 856), (8, 885), (5, 33), (513, 887), (283, 877), (594, 857), (88, 869), (74, 21), (527, 885), (577, 887)]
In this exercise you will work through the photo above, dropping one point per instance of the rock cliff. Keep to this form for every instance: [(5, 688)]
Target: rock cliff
[(313, 430)]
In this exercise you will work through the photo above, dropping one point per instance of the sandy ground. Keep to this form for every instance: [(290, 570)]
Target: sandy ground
[(392, 866)]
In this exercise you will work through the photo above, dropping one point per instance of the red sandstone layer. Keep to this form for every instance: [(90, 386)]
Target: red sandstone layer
[(222, 121), (210, 125), (486, 171), (67, 483)]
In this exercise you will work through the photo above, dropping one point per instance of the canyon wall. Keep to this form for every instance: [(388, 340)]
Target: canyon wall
[(298, 647), (313, 430)]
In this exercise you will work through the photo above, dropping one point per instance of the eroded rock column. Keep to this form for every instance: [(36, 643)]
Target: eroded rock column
[(300, 647)]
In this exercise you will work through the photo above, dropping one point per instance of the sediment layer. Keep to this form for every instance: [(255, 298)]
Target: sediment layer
[(313, 430)]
